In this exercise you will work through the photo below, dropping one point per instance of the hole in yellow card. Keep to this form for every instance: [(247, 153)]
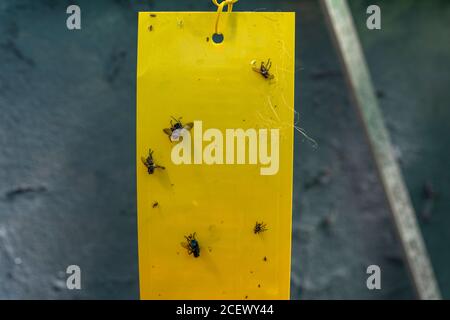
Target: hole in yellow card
[(214, 155)]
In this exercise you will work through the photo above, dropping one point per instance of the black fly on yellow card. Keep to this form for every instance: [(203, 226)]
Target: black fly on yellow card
[(215, 105)]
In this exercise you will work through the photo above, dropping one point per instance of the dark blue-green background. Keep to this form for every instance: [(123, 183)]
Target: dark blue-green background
[(67, 147)]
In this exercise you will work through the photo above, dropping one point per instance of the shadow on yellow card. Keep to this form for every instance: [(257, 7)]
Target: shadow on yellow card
[(219, 120)]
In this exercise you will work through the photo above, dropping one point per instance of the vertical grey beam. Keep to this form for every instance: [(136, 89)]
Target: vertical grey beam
[(347, 43)]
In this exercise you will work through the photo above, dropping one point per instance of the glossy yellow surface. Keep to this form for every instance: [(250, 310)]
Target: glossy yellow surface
[(181, 72)]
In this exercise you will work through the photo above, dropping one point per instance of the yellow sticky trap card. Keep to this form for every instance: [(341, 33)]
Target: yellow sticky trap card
[(215, 190)]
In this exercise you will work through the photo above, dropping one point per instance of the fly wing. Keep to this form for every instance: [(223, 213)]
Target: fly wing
[(185, 245), (189, 125), (168, 131)]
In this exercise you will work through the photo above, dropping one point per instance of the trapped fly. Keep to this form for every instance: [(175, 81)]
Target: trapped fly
[(259, 227), (191, 245), (175, 130), (263, 69), (150, 164)]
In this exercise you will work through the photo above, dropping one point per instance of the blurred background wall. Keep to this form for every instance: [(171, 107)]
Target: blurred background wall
[(67, 147)]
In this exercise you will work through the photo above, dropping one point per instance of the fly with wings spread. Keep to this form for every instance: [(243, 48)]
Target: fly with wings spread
[(230, 148)]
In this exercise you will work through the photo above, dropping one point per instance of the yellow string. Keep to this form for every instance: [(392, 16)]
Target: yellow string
[(220, 7)]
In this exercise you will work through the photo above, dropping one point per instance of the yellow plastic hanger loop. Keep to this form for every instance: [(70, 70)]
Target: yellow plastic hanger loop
[(220, 7)]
